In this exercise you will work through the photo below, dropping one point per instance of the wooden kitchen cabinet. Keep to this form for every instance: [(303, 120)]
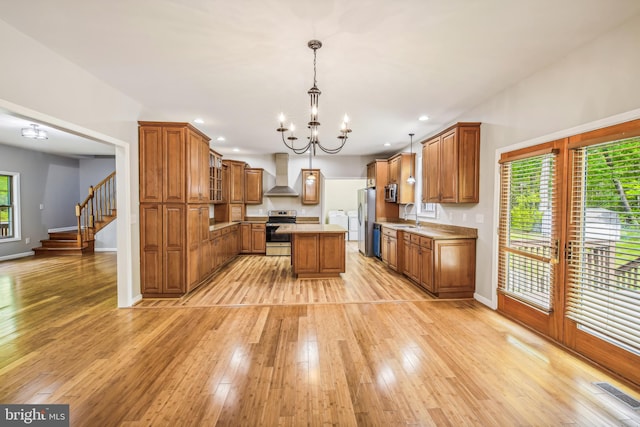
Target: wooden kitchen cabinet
[(224, 245), (318, 254), (163, 249), (259, 238), (215, 177), (253, 186), (385, 211), (310, 186), (451, 165), (371, 175), (389, 247), (445, 268), (173, 164), (411, 256), (400, 167), (235, 180), (197, 168), (197, 245), (162, 163), (394, 170), (253, 238), (426, 265), (245, 238), (174, 214)]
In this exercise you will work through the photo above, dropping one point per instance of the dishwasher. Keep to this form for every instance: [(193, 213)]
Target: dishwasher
[(376, 240)]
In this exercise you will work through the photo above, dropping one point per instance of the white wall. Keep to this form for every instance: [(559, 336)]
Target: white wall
[(595, 82), (40, 84), (341, 194), (47, 180)]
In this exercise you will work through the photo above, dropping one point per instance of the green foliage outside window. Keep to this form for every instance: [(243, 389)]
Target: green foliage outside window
[(525, 211), (5, 196)]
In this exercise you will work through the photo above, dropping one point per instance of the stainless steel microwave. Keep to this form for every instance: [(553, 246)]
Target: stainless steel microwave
[(391, 193)]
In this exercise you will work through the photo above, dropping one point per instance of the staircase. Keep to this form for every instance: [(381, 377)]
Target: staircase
[(93, 214)]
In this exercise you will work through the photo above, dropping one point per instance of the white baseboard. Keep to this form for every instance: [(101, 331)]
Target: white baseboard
[(105, 249), (61, 229), (135, 300), (15, 256), (485, 301)]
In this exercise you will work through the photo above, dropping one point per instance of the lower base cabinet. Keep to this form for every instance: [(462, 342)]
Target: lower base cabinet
[(389, 247), (253, 238), (445, 268), (224, 245), (318, 254), (177, 251), (454, 268)]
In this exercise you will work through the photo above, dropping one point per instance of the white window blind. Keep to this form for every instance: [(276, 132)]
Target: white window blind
[(527, 234), (604, 242)]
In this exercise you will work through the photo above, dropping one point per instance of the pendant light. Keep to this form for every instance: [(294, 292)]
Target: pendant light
[(411, 180)]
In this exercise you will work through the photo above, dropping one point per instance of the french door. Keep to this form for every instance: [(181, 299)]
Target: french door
[(529, 274), (569, 254)]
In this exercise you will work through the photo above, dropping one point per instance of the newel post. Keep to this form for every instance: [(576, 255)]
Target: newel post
[(93, 207), (79, 235)]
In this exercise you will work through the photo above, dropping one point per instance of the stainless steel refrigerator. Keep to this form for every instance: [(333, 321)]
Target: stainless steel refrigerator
[(366, 218)]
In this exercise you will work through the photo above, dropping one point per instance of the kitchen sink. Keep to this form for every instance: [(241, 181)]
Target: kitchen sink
[(405, 226)]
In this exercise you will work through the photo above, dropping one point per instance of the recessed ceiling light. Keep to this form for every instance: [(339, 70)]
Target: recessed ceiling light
[(198, 120), (236, 150), (387, 144), (423, 118), (220, 139)]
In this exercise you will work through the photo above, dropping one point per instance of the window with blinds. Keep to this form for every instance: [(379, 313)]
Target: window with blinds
[(6, 207), (527, 234), (604, 242)]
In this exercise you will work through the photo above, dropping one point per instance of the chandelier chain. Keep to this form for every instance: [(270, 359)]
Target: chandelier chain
[(313, 125)]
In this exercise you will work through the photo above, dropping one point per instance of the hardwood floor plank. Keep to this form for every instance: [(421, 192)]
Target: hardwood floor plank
[(259, 347)]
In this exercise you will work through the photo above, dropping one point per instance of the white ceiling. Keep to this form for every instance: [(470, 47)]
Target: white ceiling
[(238, 64), (58, 142)]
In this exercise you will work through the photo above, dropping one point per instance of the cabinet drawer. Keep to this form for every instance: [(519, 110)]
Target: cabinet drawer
[(258, 226), (389, 232), (406, 237), (426, 242), (415, 239)]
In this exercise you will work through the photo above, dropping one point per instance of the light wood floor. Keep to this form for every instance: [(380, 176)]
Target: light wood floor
[(289, 356), (260, 280)]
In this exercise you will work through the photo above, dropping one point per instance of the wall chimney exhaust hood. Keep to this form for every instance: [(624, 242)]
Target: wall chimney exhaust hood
[(282, 188)]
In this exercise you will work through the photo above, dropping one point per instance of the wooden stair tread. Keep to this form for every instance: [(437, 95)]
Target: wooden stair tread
[(63, 235), (75, 251)]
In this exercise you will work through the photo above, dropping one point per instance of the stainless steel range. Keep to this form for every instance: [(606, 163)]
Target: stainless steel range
[(279, 244)]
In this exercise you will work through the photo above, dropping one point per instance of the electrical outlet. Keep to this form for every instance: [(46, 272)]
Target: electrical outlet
[(479, 218), (27, 240), (41, 206), (464, 217)]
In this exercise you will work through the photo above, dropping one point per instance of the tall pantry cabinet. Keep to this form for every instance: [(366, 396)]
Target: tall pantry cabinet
[(174, 207)]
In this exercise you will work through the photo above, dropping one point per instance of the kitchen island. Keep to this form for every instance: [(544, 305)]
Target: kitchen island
[(317, 250)]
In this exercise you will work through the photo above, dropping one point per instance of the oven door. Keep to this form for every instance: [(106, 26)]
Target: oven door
[(273, 237)]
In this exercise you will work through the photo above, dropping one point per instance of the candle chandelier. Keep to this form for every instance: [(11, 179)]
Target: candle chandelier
[(314, 142)]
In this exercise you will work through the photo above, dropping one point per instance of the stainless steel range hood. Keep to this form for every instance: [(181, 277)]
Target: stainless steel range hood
[(282, 188)]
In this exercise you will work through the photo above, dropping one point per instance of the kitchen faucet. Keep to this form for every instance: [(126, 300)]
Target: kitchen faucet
[(405, 213)]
